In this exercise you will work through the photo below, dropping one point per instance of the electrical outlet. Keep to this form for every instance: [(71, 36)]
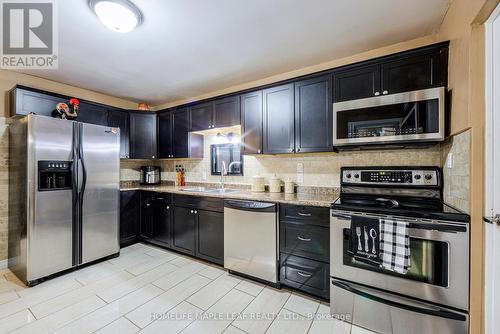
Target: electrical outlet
[(449, 160), (300, 173), (204, 175)]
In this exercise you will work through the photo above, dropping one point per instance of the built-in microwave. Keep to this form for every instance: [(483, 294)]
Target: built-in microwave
[(414, 117)]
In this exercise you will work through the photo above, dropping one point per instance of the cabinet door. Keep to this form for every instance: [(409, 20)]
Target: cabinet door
[(130, 217), (147, 216), (202, 116), (227, 112), (278, 124), (24, 102), (413, 73), (165, 135), (119, 119), (142, 135), (251, 122), (313, 115), (161, 222), (210, 236), (183, 230), (356, 83), (93, 114), (180, 133)]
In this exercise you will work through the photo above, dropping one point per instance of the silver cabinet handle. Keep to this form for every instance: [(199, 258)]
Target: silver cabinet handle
[(258, 151), (303, 239), (196, 211), (153, 156), (192, 211), (304, 214), (385, 92), (168, 208), (303, 274), (147, 204), (377, 93)]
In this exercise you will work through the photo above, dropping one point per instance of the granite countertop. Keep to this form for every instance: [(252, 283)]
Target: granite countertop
[(311, 198)]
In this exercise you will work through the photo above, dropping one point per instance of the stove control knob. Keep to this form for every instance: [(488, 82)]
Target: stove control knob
[(428, 176), (417, 177), (348, 175), (356, 176)]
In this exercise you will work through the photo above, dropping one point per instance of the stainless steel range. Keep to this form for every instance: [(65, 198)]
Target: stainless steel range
[(433, 295)]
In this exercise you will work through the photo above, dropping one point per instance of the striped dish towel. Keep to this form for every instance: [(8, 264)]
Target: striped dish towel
[(394, 246)]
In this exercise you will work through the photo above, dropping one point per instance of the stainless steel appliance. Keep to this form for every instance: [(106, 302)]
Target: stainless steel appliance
[(64, 195), (433, 296), (414, 117), (251, 239), (150, 175)]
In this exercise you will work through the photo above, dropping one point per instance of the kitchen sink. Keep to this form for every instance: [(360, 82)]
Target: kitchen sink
[(210, 190)]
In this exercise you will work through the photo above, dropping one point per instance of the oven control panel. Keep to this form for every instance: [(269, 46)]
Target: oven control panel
[(393, 177)]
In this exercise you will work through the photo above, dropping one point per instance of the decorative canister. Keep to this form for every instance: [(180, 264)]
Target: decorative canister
[(289, 187), (258, 184), (274, 184)]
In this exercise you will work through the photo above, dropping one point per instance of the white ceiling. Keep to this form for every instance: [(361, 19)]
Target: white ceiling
[(186, 48)]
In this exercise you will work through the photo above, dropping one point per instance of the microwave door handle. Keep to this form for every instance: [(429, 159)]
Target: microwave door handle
[(438, 312)]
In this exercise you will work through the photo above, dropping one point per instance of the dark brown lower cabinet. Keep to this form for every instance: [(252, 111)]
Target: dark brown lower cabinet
[(130, 217), (305, 249), (210, 236), (183, 230), (304, 274)]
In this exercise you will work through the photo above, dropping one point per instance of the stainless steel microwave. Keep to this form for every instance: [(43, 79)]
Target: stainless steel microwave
[(410, 117)]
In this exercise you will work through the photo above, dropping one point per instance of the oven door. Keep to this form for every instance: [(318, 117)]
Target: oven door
[(405, 117), (384, 312), (439, 271)]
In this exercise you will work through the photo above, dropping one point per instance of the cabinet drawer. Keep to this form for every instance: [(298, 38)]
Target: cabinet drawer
[(305, 240), (199, 202), (162, 197), (310, 214), (307, 275)]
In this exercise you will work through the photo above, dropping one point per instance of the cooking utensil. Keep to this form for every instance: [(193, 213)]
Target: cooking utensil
[(358, 233), (367, 248), (373, 234)]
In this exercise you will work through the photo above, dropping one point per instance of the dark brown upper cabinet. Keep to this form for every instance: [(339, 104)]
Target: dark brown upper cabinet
[(409, 74), (313, 115), (184, 143), (356, 83), (92, 114), (201, 116), (165, 141), (120, 119), (215, 114), (251, 122), (25, 101), (226, 112), (143, 135), (412, 70), (278, 120)]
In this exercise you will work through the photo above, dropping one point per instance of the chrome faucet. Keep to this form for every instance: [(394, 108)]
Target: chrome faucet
[(224, 171)]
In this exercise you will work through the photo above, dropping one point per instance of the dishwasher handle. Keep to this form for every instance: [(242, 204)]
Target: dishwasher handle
[(250, 206)]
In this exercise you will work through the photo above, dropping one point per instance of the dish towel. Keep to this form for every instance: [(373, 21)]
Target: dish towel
[(364, 242), (394, 246)]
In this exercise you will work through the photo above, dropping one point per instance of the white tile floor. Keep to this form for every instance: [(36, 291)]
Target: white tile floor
[(150, 290)]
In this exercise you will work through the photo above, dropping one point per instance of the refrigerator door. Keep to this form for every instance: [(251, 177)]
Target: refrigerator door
[(49, 222), (99, 171)]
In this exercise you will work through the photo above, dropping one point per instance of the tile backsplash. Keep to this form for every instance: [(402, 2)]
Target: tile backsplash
[(319, 170)]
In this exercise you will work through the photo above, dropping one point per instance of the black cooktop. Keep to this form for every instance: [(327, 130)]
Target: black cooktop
[(424, 208)]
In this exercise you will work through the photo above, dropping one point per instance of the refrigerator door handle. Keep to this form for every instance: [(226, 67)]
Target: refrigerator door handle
[(75, 194), (437, 312)]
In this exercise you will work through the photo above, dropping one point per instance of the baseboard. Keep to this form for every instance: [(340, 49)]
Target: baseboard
[(3, 264)]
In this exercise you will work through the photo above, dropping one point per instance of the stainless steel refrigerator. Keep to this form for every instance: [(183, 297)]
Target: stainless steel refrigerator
[(63, 195)]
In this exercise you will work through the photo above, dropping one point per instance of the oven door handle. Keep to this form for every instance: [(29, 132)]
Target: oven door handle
[(438, 312)]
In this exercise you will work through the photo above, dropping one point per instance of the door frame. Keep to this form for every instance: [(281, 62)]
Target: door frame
[(492, 181)]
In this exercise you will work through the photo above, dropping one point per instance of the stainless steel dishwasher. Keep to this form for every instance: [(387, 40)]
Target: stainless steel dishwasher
[(251, 239)]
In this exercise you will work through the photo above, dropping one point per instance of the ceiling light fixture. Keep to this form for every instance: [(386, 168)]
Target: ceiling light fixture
[(117, 15)]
